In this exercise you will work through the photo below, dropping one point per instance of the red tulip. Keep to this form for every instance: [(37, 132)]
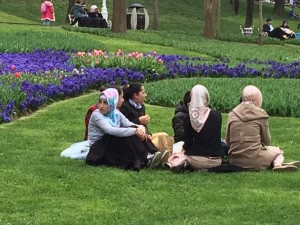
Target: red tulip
[(17, 74)]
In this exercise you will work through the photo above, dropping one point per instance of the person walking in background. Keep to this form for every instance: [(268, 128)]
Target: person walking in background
[(47, 12)]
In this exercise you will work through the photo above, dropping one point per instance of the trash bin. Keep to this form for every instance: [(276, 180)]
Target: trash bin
[(137, 17)]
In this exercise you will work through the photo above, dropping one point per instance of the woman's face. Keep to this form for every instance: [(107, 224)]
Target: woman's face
[(120, 100), (285, 24), (103, 106), (140, 96)]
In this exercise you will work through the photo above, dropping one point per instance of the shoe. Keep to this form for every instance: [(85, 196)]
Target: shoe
[(288, 168), (164, 158), (155, 160), (180, 168), (295, 163)]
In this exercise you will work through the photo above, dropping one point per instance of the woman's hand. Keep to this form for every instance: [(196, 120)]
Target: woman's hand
[(144, 119), (141, 133)]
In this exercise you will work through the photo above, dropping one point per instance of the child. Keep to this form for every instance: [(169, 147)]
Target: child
[(47, 12)]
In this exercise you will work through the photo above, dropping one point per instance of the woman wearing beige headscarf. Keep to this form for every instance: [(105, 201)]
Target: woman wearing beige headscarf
[(248, 136), (202, 148)]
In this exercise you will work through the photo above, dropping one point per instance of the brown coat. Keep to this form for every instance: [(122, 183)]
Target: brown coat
[(248, 136)]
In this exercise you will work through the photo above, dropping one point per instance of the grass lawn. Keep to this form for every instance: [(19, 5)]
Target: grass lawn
[(40, 187)]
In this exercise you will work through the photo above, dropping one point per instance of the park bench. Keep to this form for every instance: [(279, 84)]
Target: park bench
[(73, 21), (247, 30)]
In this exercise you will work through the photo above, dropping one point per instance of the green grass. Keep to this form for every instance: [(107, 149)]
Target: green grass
[(39, 187)]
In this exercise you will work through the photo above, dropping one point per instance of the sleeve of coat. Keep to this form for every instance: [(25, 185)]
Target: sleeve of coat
[(129, 114), (227, 138), (265, 132), (177, 124)]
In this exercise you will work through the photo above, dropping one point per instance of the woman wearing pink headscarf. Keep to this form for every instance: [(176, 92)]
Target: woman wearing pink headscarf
[(202, 148), (248, 136), (47, 12)]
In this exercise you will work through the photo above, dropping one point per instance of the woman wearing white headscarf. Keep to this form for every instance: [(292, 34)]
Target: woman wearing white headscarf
[(248, 136), (202, 148)]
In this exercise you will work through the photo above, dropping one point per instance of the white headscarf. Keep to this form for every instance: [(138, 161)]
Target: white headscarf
[(93, 8), (198, 108)]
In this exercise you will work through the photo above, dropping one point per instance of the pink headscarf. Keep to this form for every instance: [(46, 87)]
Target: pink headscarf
[(48, 3), (252, 94), (198, 108)]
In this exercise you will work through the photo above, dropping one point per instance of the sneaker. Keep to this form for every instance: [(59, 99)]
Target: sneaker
[(155, 159), (295, 163), (288, 168), (180, 168), (164, 158)]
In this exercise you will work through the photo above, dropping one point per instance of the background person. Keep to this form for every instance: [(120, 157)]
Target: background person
[(268, 27), (97, 18), (80, 15), (47, 12)]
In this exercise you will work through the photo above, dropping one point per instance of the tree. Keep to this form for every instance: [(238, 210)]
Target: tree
[(279, 8), (249, 13), (235, 5), (155, 14), (71, 3), (119, 23), (260, 35), (212, 14)]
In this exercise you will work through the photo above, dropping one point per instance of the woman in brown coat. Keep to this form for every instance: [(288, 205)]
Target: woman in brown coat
[(248, 136)]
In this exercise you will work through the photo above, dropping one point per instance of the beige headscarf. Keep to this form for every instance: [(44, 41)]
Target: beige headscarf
[(252, 94), (198, 108), (93, 7)]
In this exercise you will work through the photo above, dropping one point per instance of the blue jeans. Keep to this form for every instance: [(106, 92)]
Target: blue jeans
[(46, 22)]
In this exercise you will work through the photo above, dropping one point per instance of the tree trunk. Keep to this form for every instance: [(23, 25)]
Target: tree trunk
[(155, 14), (249, 13), (212, 9), (279, 8), (119, 23), (71, 3), (235, 5), (260, 33)]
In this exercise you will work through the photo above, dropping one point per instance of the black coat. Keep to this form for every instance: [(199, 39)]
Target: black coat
[(133, 114), (208, 141), (181, 113)]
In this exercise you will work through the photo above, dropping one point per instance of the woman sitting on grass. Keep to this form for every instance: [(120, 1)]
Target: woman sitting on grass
[(248, 136), (114, 140), (202, 148), (134, 109)]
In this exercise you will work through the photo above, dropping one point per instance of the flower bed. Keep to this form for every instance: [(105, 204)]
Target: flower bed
[(29, 80)]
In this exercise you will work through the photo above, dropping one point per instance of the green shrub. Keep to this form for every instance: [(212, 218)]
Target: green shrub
[(281, 97), (26, 41)]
